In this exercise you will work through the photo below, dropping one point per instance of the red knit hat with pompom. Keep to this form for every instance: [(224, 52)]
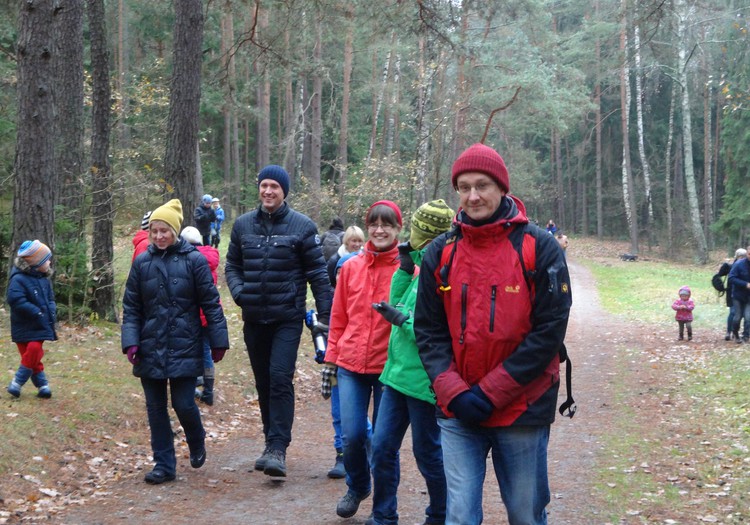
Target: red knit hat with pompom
[(482, 159)]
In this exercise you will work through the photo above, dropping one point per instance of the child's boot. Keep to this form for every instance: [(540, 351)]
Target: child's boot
[(22, 375), (40, 381), (208, 386)]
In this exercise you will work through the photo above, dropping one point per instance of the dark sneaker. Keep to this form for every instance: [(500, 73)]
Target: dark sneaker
[(198, 458), (349, 504), (260, 463), (276, 464), (157, 477), (728, 337), (338, 471)]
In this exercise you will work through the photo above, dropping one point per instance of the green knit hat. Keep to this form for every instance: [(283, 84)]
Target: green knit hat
[(430, 220)]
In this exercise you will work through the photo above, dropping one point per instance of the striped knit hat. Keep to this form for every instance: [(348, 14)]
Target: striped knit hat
[(35, 253), (145, 220), (430, 220)]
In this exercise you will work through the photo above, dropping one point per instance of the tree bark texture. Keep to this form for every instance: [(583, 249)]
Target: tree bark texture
[(102, 254), (36, 183), (184, 104)]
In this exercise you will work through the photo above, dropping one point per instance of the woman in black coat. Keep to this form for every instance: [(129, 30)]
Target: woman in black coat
[(167, 287)]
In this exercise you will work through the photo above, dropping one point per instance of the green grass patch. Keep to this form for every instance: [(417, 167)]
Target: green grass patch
[(645, 290)]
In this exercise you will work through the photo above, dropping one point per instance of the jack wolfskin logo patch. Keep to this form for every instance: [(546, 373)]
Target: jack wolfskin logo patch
[(513, 289)]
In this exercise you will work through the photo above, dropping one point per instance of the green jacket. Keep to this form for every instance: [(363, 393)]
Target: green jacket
[(403, 369)]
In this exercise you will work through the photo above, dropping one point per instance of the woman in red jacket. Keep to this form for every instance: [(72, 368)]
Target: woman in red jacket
[(358, 342)]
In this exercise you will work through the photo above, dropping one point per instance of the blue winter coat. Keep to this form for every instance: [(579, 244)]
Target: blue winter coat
[(270, 260), (164, 294), (739, 277), (33, 311)]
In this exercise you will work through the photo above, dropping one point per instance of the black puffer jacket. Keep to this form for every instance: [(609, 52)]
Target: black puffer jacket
[(270, 260), (164, 293), (33, 311)]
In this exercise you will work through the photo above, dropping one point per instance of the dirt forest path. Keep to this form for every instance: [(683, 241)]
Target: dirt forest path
[(226, 490)]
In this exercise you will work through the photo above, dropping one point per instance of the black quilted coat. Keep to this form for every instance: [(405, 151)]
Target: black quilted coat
[(164, 293)]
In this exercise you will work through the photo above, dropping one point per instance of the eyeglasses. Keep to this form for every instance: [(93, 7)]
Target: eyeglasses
[(481, 188), (384, 227)]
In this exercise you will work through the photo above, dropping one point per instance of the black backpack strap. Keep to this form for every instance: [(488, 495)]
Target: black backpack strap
[(568, 407)]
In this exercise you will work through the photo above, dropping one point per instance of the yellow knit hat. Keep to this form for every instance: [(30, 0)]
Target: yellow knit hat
[(430, 220), (171, 213)]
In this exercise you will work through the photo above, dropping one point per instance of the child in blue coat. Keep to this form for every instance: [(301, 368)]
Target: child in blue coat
[(33, 313)]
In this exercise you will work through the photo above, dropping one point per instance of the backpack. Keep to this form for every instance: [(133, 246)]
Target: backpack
[(329, 243), (718, 283), (523, 241)]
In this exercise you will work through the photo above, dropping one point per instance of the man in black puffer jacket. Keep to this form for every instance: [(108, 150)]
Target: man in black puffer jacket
[(273, 253)]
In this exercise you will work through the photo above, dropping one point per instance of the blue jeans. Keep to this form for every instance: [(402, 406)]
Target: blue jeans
[(338, 442), (519, 456), (272, 349), (354, 398), (730, 323), (208, 361), (395, 413), (741, 312), (183, 401)]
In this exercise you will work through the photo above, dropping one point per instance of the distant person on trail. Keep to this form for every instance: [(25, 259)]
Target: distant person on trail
[(683, 308), (354, 239), (332, 239), (490, 338), (140, 239), (358, 343), (167, 287), (33, 314), (724, 269), (274, 253), (739, 280), (203, 216), (408, 399), (206, 381), (216, 225), (551, 227)]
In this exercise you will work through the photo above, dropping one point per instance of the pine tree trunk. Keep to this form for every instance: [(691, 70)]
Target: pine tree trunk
[(36, 183), (343, 154), (316, 135), (102, 255), (184, 104)]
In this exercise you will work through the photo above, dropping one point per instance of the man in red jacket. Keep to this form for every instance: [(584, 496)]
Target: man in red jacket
[(489, 326)]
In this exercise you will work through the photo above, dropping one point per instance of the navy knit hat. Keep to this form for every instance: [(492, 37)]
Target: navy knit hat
[(277, 173)]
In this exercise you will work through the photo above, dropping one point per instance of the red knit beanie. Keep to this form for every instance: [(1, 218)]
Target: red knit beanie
[(482, 159)]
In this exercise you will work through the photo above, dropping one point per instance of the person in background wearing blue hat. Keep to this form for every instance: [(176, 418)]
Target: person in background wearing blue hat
[(274, 252), (203, 216), (33, 313)]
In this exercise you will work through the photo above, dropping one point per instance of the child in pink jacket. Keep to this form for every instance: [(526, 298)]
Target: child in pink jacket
[(683, 308)]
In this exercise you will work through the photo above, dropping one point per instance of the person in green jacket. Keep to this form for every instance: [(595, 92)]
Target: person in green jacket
[(407, 397)]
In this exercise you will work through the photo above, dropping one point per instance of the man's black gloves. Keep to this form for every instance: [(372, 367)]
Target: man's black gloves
[(390, 314), (407, 263), (472, 406)]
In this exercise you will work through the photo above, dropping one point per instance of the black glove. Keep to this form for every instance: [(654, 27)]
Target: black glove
[(389, 313), (470, 407), (319, 329), (407, 263)]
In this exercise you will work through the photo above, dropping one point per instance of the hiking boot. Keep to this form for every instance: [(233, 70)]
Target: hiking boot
[(198, 457), (275, 464), (349, 504), (157, 477), (728, 337), (260, 463), (338, 471)]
